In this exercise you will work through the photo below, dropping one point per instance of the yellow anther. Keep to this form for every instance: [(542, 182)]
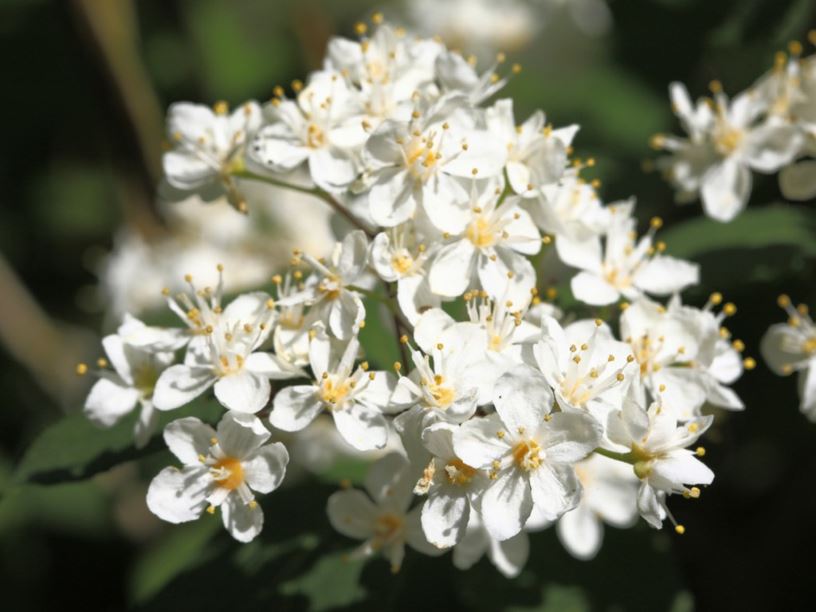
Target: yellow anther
[(679, 529), (221, 108), (730, 309), (403, 339), (252, 504), (360, 28), (377, 18), (102, 363), (715, 86), (516, 68), (188, 278), (700, 451), (213, 441), (619, 376), (364, 365), (783, 301), (371, 376), (656, 222), (82, 369), (738, 345), (749, 363), (211, 509), (795, 47), (397, 366)]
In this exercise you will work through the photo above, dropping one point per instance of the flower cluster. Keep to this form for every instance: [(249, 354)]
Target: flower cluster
[(764, 129), (508, 415)]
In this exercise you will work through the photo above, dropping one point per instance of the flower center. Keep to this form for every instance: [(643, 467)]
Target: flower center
[(459, 472), (144, 379), (386, 528), (402, 262), (480, 233), (442, 396), (617, 278), (315, 137), (330, 288), (527, 455), (228, 473), (727, 139), (333, 393)]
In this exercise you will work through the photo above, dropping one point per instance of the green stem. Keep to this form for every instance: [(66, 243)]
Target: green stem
[(312, 191), (624, 457)]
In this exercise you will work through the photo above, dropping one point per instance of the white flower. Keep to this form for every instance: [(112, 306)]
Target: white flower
[(397, 256), (444, 384), (458, 75), (354, 397), (586, 367), (791, 347), (208, 146), (609, 495), (529, 451), (490, 249), (138, 354), (381, 518), (386, 68), (322, 127), (329, 296), (415, 163), (451, 485), (657, 446), (727, 141), (508, 556), (682, 356), (630, 268), (224, 355), (536, 154), (220, 469)]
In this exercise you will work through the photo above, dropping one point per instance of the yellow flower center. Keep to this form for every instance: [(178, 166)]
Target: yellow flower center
[(402, 262), (333, 393), (386, 528), (727, 139), (459, 472), (234, 473), (442, 396), (527, 455), (480, 233), (315, 138)]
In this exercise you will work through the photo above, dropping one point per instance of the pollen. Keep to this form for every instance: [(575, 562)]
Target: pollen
[(527, 455), (230, 473)]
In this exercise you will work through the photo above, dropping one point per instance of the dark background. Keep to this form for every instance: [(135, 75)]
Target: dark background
[(86, 85)]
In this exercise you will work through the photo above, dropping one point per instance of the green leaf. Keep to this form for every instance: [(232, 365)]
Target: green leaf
[(330, 583), (774, 225), (73, 448)]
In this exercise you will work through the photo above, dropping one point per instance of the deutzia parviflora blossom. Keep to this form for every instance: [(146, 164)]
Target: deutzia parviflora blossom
[(224, 355), (322, 127), (381, 518), (791, 347), (682, 354), (221, 469), (488, 248), (727, 140), (208, 146), (630, 268), (661, 459), (529, 451), (138, 354), (355, 398), (451, 485), (329, 296)]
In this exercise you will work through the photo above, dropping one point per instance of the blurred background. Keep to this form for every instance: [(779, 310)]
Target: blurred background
[(84, 238)]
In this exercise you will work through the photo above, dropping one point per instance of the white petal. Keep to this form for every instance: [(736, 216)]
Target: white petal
[(179, 496), (179, 385), (266, 469), (271, 366), (554, 491), (363, 427), (593, 290), (581, 532), (507, 504), (345, 315), (522, 398), (117, 355), (445, 516), (510, 556), (798, 181), (243, 391), (771, 146), (295, 407), (662, 275), (415, 535), (571, 436), (243, 521), (782, 347), (452, 269), (188, 439), (352, 514), (240, 435), (108, 402), (476, 441), (726, 189)]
